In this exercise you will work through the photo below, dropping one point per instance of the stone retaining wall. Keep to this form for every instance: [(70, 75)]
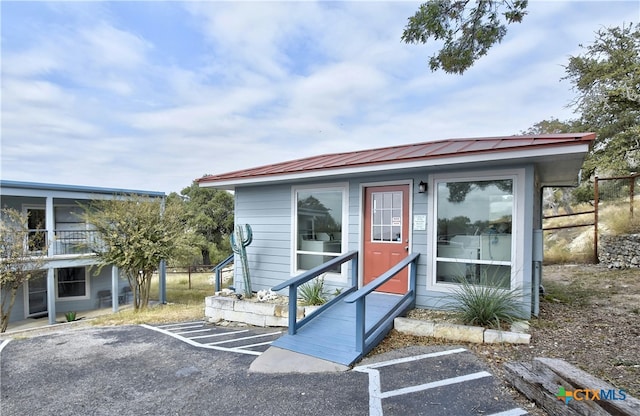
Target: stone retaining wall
[(218, 308), (453, 332), (621, 251)]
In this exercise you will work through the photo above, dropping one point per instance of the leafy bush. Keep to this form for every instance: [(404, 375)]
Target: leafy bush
[(313, 292), (486, 305)]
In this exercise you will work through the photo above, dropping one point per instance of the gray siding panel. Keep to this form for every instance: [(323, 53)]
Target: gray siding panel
[(268, 210)]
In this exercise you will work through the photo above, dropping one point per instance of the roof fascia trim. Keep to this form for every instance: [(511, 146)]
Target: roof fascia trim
[(578, 148)]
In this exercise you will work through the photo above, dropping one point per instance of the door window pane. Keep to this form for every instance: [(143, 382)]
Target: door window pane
[(474, 230), (386, 221)]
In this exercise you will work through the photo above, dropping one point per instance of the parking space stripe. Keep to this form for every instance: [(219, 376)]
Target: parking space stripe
[(363, 368), (243, 338), (254, 345), (376, 395), (180, 324), (197, 344), (4, 344), (219, 334), (180, 328), (434, 384), (513, 412), (193, 332)]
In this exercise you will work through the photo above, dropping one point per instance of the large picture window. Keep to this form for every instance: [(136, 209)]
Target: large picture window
[(319, 217), (72, 282), (474, 221)]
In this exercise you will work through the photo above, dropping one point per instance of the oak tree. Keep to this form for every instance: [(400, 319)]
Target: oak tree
[(467, 28), (135, 234), (607, 79), (21, 257)]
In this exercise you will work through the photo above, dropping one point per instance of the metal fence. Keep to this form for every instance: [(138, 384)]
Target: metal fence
[(616, 190), (610, 191)]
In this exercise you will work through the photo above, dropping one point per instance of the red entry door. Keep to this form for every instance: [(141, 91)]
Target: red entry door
[(386, 234)]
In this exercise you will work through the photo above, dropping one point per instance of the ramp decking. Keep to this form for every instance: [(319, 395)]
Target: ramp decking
[(332, 335)]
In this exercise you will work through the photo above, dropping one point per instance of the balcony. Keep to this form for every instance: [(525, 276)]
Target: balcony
[(65, 242)]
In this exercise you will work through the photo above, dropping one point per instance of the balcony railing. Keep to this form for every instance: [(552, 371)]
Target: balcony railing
[(64, 243), (74, 242)]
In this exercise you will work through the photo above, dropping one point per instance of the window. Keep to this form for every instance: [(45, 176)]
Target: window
[(386, 221), (474, 222), (37, 228), (319, 218), (72, 282), (71, 230)]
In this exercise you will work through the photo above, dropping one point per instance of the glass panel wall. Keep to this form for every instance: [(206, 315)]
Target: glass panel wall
[(474, 229), (319, 214)]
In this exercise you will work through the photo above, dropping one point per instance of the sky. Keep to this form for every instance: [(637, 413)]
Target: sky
[(152, 95)]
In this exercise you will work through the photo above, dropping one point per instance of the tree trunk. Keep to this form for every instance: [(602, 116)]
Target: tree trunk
[(145, 288), (5, 314), (206, 258)]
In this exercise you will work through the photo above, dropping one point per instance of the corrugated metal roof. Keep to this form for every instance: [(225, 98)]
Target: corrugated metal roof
[(405, 154)]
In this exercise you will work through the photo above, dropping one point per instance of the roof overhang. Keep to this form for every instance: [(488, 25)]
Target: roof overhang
[(35, 189), (555, 166)]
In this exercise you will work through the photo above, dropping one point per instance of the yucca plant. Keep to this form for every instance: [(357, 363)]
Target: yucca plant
[(313, 292), (71, 316), (486, 303)]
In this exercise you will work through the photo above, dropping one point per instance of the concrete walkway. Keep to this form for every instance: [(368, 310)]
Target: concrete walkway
[(42, 324)]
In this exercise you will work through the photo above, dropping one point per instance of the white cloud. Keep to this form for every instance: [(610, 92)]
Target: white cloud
[(107, 47), (92, 95)]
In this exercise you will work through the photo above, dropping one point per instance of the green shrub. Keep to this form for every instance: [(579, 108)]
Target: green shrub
[(486, 305), (313, 292), (71, 316)]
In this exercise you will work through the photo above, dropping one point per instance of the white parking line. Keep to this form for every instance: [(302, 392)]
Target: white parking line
[(192, 332), (513, 412), (221, 334), (433, 385), (4, 344), (180, 328), (375, 387), (180, 324), (242, 339), (197, 344), (253, 345), (361, 368)]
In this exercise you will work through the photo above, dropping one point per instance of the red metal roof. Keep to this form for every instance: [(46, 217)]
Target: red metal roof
[(405, 154)]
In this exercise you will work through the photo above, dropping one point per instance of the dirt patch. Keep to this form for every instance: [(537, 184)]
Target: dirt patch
[(589, 317)]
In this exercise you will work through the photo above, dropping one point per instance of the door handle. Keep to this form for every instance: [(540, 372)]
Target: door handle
[(406, 248)]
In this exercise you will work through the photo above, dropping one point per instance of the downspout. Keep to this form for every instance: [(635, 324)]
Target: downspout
[(538, 254)]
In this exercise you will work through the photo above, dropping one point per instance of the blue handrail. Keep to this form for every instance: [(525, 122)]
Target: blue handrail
[(359, 297), (301, 279), (218, 269)]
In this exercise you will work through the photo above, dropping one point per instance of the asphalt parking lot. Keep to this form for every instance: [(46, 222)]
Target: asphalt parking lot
[(137, 370)]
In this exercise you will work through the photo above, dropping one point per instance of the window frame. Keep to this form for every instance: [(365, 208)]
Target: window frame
[(42, 231), (343, 188), (87, 286), (517, 224)]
